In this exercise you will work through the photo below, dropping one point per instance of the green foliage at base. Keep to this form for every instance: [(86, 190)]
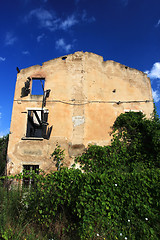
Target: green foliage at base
[(107, 204), (114, 195), (13, 222), (3, 153)]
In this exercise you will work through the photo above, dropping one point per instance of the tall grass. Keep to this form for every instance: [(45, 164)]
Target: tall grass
[(14, 223)]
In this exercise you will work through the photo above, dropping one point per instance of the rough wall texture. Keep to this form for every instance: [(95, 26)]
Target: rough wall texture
[(87, 94)]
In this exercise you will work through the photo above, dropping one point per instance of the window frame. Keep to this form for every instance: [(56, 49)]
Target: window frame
[(27, 181), (27, 137), (34, 79)]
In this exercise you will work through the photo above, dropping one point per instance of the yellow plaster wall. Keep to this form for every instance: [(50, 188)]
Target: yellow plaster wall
[(87, 94)]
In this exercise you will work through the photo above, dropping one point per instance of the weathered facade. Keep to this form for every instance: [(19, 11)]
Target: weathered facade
[(81, 99)]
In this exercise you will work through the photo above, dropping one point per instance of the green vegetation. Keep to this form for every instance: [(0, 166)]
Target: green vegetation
[(115, 194), (3, 154)]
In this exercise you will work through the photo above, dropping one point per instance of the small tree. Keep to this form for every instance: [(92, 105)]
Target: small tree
[(141, 135), (58, 157)]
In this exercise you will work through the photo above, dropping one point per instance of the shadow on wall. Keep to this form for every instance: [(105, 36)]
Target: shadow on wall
[(48, 134)]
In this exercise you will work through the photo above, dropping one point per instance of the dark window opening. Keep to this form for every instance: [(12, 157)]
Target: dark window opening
[(64, 58), (37, 123), (28, 170), (37, 86)]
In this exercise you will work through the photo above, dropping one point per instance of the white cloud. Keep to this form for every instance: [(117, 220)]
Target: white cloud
[(45, 18), (154, 72), (61, 45), (158, 23), (156, 95), (49, 20), (10, 39), (146, 72), (69, 22), (26, 52), (2, 59), (39, 38)]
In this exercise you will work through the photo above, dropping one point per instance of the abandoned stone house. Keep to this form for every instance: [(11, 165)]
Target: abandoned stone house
[(73, 101)]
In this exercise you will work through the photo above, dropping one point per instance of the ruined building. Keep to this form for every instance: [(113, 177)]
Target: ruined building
[(73, 100)]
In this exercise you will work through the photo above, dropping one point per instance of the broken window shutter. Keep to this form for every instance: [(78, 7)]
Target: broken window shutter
[(26, 89), (45, 124), (46, 95), (45, 116)]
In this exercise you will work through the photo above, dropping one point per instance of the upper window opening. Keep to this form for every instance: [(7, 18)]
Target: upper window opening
[(37, 86)]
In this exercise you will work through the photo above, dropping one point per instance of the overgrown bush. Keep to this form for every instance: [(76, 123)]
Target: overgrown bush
[(116, 196), (86, 206)]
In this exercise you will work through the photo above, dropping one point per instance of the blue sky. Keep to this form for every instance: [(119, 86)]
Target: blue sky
[(35, 31)]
